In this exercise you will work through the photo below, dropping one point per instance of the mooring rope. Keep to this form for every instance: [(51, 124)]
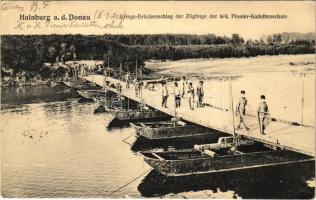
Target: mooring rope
[(124, 140), (118, 189)]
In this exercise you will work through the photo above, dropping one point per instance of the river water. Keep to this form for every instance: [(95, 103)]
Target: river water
[(52, 145)]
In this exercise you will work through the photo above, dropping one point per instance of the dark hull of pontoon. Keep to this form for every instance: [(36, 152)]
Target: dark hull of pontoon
[(89, 94), (225, 163), (133, 115), (80, 85), (163, 132)]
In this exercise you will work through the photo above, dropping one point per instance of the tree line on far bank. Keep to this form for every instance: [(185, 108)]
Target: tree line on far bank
[(31, 51)]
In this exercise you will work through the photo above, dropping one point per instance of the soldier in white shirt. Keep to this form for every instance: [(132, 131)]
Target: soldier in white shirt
[(191, 96), (177, 95), (183, 87), (165, 94)]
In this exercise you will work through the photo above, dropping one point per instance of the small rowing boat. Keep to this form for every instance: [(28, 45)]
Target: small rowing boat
[(90, 94), (70, 84), (168, 129), (106, 102), (132, 114), (80, 85), (228, 154)]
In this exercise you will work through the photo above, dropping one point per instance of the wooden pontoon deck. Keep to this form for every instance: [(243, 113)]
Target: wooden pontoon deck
[(296, 138)]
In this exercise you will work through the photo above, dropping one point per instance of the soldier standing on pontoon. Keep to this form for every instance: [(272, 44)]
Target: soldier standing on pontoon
[(200, 94), (127, 79), (164, 93), (136, 86), (241, 110), (119, 88), (140, 88), (191, 96), (263, 114), (183, 86), (177, 95)]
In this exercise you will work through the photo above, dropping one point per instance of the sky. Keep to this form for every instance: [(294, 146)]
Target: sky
[(300, 17)]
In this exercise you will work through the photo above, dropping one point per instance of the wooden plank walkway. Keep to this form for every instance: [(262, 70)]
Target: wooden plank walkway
[(297, 138)]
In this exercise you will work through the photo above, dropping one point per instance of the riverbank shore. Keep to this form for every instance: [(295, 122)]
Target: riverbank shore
[(30, 78), (50, 73)]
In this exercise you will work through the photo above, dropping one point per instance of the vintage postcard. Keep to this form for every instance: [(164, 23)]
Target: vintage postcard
[(158, 99)]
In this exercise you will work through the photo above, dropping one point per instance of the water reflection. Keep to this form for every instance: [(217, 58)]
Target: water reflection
[(61, 149), (35, 94)]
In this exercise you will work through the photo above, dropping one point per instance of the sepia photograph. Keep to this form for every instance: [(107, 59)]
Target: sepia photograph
[(158, 99)]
